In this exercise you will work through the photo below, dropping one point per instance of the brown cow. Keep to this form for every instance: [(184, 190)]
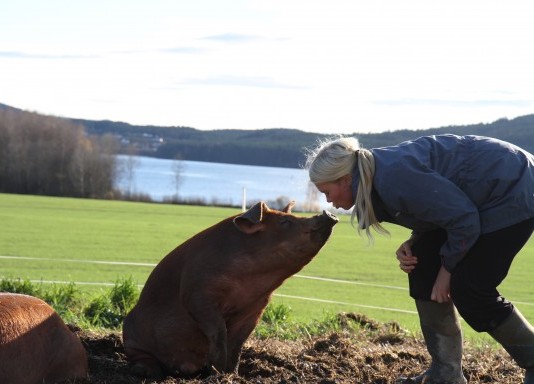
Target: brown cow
[(202, 301), (35, 344)]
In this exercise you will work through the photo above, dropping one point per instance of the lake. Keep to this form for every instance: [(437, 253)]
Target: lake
[(215, 183)]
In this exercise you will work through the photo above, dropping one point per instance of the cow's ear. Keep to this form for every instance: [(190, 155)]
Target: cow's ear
[(288, 207), (246, 226), (250, 221)]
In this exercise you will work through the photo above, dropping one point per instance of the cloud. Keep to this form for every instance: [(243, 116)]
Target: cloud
[(241, 81), (233, 38), (23, 55), (453, 103), (183, 50)]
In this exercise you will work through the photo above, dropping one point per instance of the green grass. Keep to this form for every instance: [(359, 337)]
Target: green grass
[(62, 238), (105, 310)]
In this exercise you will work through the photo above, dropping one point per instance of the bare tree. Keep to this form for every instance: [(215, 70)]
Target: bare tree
[(312, 199), (178, 167), (129, 165), (52, 156)]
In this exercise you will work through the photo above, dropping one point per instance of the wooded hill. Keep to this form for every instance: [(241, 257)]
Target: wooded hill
[(277, 147), (280, 147)]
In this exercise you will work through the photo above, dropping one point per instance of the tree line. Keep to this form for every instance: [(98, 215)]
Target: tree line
[(279, 147), (46, 155)]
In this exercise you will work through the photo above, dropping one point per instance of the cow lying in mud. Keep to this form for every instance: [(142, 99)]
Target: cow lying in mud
[(203, 299), (35, 344)]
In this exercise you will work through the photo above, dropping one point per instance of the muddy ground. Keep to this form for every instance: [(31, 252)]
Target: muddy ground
[(370, 356)]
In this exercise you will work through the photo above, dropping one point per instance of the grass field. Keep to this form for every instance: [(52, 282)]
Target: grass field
[(97, 242)]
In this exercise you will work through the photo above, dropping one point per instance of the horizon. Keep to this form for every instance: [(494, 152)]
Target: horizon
[(251, 129)]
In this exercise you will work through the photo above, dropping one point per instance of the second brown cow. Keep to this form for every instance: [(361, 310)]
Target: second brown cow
[(202, 301), (36, 346)]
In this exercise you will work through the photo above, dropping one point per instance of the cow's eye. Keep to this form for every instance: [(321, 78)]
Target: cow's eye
[(285, 222)]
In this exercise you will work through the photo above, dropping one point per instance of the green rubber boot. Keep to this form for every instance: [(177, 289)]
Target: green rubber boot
[(516, 335), (443, 336)]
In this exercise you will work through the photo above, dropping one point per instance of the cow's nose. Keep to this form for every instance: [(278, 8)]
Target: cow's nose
[(330, 216)]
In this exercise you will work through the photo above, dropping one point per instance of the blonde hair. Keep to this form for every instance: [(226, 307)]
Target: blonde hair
[(333, 159)]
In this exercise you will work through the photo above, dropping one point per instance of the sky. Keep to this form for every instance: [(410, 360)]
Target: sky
[(336, 66)]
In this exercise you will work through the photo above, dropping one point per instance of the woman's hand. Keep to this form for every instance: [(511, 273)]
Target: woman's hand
[(407, 261), (442, 286)]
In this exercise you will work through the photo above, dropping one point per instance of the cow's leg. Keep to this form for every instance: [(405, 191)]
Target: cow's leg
[(144, 364), (240, 329), (210, 321)]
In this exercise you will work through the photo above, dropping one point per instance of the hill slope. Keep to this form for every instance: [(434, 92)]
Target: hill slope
[(277, 147)]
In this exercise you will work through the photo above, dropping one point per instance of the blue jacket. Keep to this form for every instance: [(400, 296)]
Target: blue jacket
[(467, 185)]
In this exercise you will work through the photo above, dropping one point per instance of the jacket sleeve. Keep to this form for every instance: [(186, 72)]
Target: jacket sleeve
[(428, 197)]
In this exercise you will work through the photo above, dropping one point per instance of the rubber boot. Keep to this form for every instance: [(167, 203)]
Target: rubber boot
[(443, 336), (516, 335)]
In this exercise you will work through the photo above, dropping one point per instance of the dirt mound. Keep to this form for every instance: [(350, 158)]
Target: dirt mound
[(334, 358)]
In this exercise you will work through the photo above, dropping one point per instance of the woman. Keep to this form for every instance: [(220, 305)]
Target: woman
[(469, 201)]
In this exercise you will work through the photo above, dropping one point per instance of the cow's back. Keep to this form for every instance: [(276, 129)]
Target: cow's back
[(35, 344)]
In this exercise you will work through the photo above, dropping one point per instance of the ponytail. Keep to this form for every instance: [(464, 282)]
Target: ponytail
[(334, 159), (363, 206)]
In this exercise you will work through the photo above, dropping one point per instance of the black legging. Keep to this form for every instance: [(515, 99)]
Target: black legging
[(475, 279)]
